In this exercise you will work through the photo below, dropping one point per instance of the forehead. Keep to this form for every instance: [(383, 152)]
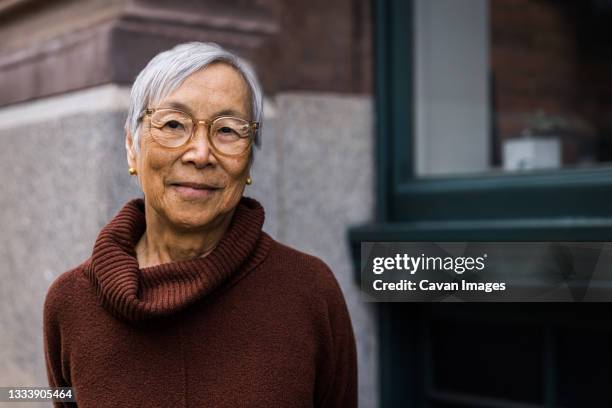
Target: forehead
[(217, 87)]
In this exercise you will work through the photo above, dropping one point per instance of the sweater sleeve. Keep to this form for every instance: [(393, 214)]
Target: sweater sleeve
[(339, 389), (53, 339)]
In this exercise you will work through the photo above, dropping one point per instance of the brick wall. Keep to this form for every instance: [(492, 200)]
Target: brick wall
[(322, 45)]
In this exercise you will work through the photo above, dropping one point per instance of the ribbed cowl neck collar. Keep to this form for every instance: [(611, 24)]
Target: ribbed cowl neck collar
[(136, 294)]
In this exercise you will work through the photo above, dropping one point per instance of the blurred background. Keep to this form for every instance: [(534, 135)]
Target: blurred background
[(388, 120)]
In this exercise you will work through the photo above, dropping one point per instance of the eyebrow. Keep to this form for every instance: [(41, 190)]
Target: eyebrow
[(186, 108)]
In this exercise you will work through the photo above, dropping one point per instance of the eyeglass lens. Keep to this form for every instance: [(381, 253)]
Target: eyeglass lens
[(173, 128)]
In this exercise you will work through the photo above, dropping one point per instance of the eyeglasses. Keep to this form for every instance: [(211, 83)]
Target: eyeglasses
[(228, 135)]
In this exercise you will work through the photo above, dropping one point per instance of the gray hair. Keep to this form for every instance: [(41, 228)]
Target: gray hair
[(167, 71)]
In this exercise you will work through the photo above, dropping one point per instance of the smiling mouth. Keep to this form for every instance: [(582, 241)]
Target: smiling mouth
[(197, 186), (194, 190)]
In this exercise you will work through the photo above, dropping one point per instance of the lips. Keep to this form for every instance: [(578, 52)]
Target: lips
[(194, 185), (194, 190)]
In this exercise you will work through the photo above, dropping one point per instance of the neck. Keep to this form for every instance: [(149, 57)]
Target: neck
[(164, 243)]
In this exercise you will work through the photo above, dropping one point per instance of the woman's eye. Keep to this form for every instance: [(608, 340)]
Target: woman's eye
[(227, 133), (173, 124)]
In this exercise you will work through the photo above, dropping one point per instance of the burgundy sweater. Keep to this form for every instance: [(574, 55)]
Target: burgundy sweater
[(253, 324)]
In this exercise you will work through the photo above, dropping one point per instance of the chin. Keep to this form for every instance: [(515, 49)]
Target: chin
[(189, 214), (192, 214), (189, 221)]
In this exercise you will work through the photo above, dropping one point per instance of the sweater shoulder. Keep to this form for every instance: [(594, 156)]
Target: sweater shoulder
[(292, 257), (61, 291), (307, 270)]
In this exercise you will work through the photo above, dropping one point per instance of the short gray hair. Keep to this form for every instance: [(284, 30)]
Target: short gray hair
[(167, 71)]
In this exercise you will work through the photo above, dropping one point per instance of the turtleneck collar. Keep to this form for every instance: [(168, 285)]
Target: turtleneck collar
[(136, 294)]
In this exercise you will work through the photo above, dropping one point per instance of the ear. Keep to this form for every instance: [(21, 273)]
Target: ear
[(129, 147)]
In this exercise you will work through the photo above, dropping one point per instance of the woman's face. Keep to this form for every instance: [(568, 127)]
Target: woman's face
[(192, 186)]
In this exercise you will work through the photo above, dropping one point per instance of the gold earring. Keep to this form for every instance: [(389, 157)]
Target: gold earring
[(249, 181), (132, 171)]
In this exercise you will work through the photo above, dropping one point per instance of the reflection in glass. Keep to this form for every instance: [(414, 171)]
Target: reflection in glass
[(512, 85), (551, 83)]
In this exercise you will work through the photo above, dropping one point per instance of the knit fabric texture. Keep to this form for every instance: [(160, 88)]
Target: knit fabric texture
[(253, 324)]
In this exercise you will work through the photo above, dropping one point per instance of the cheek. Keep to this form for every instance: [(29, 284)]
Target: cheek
[(152, 158), (153, 167), (237, 168), (237, 171), (153, 161)]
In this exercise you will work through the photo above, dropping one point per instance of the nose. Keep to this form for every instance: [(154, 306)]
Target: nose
[(198, 149)]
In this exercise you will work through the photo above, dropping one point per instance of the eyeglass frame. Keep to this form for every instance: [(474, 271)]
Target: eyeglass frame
[(208, 122)]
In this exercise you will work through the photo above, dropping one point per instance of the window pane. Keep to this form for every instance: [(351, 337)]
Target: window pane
[(512, 85)]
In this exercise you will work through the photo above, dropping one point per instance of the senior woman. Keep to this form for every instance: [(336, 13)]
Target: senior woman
[(185, 301)]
